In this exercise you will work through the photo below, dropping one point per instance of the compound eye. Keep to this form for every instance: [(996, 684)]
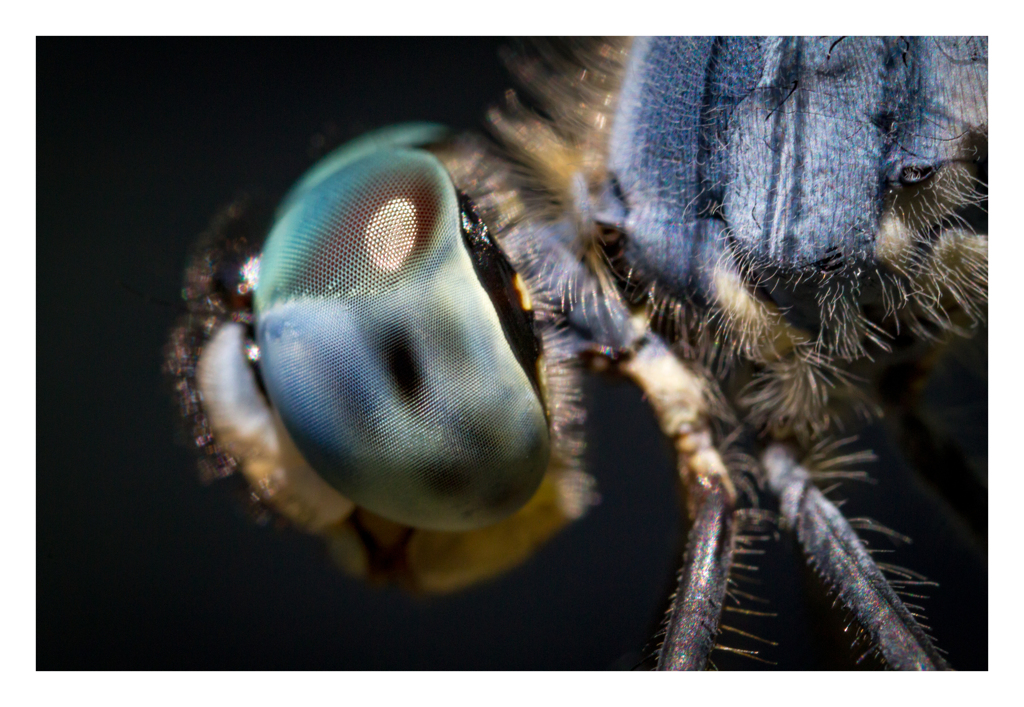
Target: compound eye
[(386, 354)]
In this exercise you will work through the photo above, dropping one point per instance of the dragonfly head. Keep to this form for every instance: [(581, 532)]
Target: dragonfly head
[(395, 346)]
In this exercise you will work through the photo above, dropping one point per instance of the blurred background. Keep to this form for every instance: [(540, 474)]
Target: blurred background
[(140, 566)]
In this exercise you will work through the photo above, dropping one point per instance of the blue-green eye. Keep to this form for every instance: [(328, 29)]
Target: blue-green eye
[(389, 349)]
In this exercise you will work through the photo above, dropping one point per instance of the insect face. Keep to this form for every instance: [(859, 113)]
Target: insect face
[(386, 358)]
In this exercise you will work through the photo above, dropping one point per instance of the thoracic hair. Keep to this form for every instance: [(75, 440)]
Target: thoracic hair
[(929, 273)]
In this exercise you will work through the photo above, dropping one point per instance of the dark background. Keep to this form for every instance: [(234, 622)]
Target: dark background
[(140, 566)]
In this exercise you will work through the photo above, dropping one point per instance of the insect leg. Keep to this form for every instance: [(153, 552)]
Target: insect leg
[(841, 560), (697, 606), (680, 401)]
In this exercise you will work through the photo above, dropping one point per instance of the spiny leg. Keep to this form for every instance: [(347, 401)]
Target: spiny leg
[(842, 562), (697, 606)]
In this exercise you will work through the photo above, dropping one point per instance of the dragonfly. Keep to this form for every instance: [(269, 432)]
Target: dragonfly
[(790, 258)]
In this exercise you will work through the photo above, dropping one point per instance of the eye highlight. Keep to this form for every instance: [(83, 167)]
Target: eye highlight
[(391, 233), (396, 363)]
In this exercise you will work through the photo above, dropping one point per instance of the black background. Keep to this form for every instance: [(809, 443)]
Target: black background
[(140, 566)]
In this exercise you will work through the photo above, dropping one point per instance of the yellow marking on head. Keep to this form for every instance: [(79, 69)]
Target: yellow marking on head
[(441, 562), (524, 294)]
